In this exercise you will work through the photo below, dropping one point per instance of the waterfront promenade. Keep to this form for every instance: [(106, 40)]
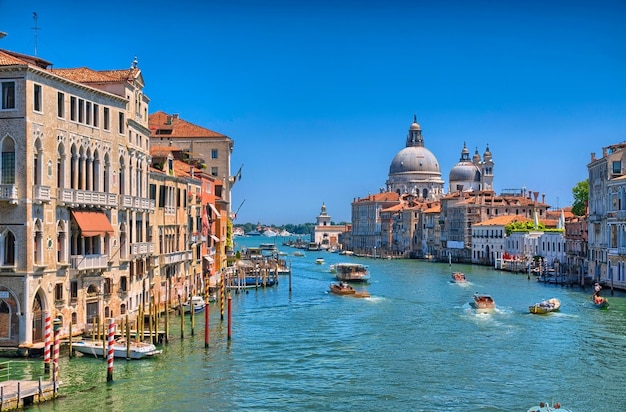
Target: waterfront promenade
[(414, 345)]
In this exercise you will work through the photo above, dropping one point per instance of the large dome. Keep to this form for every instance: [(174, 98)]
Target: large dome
[(415, 170), (414, 159)]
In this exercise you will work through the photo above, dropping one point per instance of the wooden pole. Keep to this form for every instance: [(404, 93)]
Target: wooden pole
[(230, 316), (182, 318), (192, 311), (71, 355), (206, 325), (127, 338), (222, 295)]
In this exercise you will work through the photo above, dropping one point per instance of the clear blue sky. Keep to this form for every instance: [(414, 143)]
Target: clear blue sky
[(319, 95)]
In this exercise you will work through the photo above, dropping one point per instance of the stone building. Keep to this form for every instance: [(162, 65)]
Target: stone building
[(74, 200), (325, 234)]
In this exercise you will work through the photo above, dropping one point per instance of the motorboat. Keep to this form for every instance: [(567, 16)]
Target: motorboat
[(545, 407), (545, 306), (343, 288), (459, 277), (319, 261), (351, 272), (135, 350), (197, 302), (600, 302), (483, 303)]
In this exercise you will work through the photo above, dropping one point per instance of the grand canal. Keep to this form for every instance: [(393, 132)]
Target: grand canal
[(414, 345)]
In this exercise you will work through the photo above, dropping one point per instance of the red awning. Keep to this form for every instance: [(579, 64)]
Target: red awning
[(92, 223)]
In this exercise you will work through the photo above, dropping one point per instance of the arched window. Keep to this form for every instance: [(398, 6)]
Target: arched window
[(7, 245), (38, 242), (122, 176), (7, 162), (61, 243), (61, 166)]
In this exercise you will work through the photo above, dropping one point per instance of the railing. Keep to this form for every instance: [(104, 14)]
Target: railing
[(141, 248), (138, 203), (86, 197), (41, 193), (82, 262), (21, 370), (176, 257), (8, 192)]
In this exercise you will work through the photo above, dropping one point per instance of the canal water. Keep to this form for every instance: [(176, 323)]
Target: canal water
[(414, 345)]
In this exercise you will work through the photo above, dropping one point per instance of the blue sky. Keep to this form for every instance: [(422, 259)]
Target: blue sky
[(319, 95)]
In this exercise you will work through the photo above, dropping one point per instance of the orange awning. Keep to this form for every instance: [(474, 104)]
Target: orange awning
[(92, 223)]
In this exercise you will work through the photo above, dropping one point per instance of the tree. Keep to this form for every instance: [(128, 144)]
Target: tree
[(581, 197)]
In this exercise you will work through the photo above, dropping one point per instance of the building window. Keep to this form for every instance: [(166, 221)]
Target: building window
[(106, 120), (61, 105), (73, 290), (73, 108), (7, 242), (88, 112), (37, 103), (123, 286), (121, 124), (617, 167), (213, 153), (214, 171), (96, 115), (7, 162), (8, 95), (81, 111), (58, 292)]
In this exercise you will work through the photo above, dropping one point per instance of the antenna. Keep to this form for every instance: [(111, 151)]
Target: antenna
[(35, 29)]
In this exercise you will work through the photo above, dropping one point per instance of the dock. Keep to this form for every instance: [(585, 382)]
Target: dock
[(16, 394)]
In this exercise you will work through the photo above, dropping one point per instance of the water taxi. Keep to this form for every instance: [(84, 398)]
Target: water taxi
[(483, 303), (545, 306), (459, 277), (343, 288), (351, 272)]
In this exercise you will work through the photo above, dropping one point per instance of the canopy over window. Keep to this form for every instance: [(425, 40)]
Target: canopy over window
[(217, 214), (92, 223)]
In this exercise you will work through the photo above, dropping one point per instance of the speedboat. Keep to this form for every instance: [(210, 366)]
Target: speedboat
[(545, 407), (197, 302), (343, 288), (545, 306), (138, 350), (351, 272), (483, 303), (459, 277), (319, 261)]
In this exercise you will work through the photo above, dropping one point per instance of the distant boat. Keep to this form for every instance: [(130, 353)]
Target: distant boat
[(319, 261), (196, 302), (351, 272), (545, 407), (342, 288), (296, 253), (458, 277), (545, 306), (253, 233), (269, 233)]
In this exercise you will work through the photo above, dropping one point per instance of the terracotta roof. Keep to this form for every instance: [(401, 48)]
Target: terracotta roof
[(380, 197), (163, 151), (87, 75), (502, 220), (163, 125), (10, 58)]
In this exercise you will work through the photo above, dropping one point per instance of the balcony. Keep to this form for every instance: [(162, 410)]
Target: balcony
[(175, 257), (74, 197), (8, 192), (141, 248), (136, 203), (85, 262), (41, 194)]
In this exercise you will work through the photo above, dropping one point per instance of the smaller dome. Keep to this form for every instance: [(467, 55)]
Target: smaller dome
[(415, 125), (464, 172), (476, 158), (487, 154)]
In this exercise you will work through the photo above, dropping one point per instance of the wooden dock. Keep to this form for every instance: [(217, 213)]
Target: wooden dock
[(16, 394)]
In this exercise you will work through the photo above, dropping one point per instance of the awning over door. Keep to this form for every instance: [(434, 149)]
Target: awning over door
[(92, 223)]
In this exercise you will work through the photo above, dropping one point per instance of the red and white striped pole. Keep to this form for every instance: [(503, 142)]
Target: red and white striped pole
[(110, 349), (55, 355), (47, 341)]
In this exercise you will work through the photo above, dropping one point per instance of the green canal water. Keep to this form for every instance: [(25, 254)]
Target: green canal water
[(414, 345)]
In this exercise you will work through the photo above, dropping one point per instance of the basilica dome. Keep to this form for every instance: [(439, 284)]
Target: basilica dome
[(414, 169), (465, 175)]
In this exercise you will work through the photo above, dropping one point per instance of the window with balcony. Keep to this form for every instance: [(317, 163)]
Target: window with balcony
[(61, 244), (7, 162), (8, 96)]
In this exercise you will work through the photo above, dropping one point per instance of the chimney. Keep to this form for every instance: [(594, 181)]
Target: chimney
[(593, 157), (536, 196), (543, 198), (604, 151), (175, 116)]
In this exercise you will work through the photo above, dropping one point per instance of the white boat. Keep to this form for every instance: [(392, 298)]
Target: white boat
[(138, 350), (319, 261), (351, 272), (197, 302)]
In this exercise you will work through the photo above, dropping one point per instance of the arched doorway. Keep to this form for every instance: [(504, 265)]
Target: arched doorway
[(38, 320)]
